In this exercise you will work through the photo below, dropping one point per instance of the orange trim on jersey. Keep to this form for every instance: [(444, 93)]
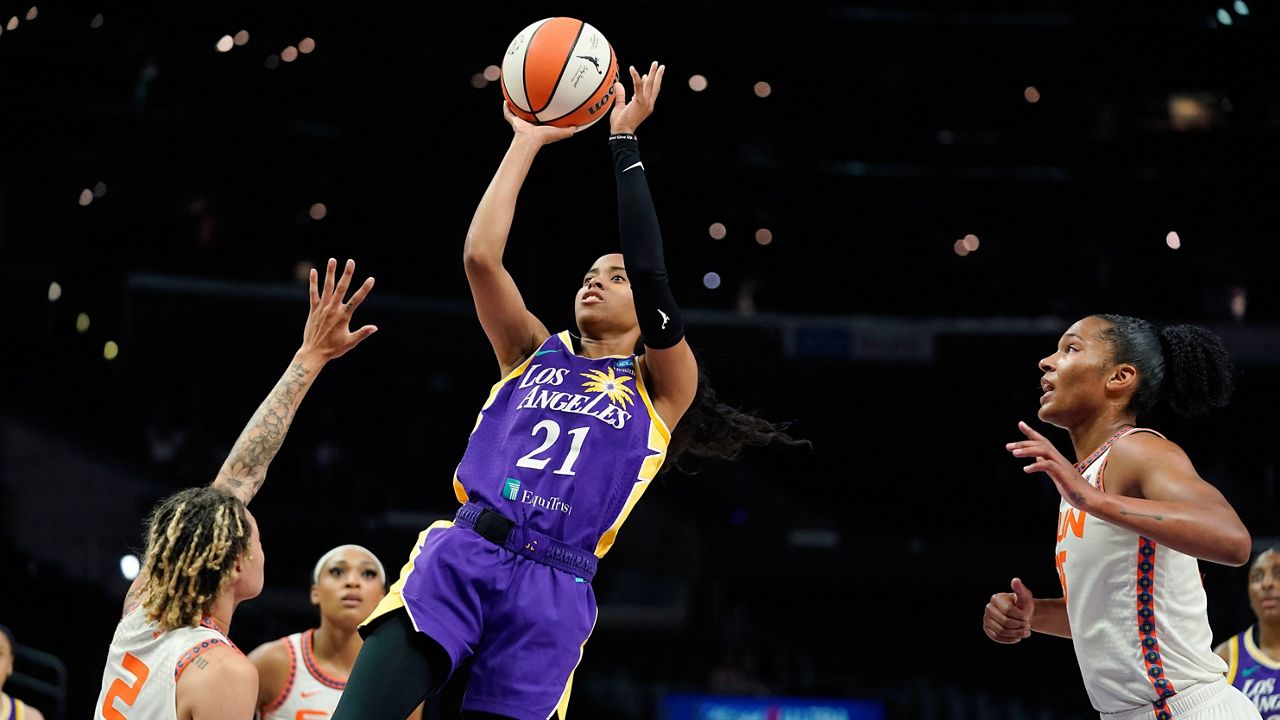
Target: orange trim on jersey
[(1148, 629), (288, 686), (313, 667), (203, 647)]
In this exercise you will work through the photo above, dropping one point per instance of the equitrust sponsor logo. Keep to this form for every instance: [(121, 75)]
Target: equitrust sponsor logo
[(512, 491)]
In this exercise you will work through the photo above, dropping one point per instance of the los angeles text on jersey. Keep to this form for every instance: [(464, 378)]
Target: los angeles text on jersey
[(537, 379)]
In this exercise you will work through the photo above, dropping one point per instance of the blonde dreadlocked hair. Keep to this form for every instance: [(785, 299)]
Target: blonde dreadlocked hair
[(194, 538)]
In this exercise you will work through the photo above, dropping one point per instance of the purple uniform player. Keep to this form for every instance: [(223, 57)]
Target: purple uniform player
[(1253, 656), (565, 445)]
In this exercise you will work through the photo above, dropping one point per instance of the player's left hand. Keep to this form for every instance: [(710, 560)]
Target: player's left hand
[(1074, 489), (627, 116)]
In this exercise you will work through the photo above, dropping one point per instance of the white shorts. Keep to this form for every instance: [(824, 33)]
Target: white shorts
[(1208, 701)]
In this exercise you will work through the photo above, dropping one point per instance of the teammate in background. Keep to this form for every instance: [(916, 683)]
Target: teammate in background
[(170, 656), (1133, 519), (11, 708), (1253, 656), (564, 447), (303, 675)]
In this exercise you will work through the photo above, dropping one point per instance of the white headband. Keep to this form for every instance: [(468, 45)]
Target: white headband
[(315, 574)]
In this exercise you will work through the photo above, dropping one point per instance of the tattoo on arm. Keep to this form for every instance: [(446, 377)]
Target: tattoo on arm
[(1077, 496), (200, 662), (245, 468), (1145, 515)]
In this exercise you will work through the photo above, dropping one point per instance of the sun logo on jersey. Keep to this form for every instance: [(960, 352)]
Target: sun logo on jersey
[(612, 385)]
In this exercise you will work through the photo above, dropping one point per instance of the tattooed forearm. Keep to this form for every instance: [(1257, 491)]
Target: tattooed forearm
[(246, 467), (1145, 515)]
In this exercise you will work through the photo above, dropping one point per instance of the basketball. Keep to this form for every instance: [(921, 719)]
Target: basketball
[(559, 71)]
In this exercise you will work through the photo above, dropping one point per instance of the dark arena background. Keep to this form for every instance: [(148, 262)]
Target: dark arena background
[(878, 217)]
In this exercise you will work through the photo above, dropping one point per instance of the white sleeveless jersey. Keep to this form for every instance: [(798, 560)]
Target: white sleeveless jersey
[(144, 663), (310, 693), (1137, 609)]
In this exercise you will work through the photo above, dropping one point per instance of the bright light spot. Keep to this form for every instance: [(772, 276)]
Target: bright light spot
[(478, 81), (86, 197), (34, 11), (1239, 302), (225, 43), (55, 291), (1172, 240), (697, 83), (13, 23), (718, 231), (1224, 17), (764, 236), (96, 22), (1031, 94), (1241, 9), (129, 566), (82, 323), (960, 249), (763, 89), (318, 211), (99, 189), (970, 242), (242, 37), (492, 73), (306, 46), (289, 54), (711, 280), (110, 350), (272, 62)]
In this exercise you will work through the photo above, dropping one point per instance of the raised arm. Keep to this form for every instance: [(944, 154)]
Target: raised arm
[(325, 336), (512, 330), (670, 368), (1151, 489)]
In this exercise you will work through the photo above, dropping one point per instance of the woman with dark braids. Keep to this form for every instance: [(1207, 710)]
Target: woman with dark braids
[(567, 442), (170, 658), (1133, 520)]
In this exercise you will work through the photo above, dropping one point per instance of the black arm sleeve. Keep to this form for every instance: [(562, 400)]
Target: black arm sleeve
[(660, 323)]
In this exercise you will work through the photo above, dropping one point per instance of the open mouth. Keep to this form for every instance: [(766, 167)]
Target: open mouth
[(1047, 388), (592, 296)]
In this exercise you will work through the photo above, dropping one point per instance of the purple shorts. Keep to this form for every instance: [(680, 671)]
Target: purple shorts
[(525, 623)]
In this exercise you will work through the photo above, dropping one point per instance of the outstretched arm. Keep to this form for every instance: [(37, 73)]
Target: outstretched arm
[(325, 336), (670, 368), (1154, 492), (512, 330)]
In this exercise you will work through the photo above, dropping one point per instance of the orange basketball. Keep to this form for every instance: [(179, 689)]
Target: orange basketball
[(559, 71)]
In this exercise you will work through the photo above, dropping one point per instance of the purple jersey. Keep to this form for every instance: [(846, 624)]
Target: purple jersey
[(565, 445), (1255, 674)]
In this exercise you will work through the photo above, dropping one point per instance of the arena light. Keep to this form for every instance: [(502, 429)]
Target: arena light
[(763, 89), (13, 23), (99, 189), (55, 291), (82, 323), (764, 236), (289, 54), (1172, 240), (96, 22), (959, 248), (698, 83), (110, 350), (478, 81), (492, 73), (241, 38), (224, 44), (318, 211), (717, 231), (306, 46), (1224, 17), (35, 12), (1031, 94), (1241, 9), (970, 242), (130, 566), (711, 280), (86, 197)]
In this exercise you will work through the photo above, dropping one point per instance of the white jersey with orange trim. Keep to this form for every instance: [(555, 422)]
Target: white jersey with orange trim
[(1137, 609), (144, 663), (310, 693)]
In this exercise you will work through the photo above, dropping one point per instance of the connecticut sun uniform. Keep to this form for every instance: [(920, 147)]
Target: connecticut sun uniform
[(561, 452), (310, 693), (144, 665), (1138, 616), (1255, 674)]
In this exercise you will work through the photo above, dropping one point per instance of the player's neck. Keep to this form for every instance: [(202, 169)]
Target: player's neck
[(336, 646), (223, 608), (606, 344), (1091, 435), (1269, 639)]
